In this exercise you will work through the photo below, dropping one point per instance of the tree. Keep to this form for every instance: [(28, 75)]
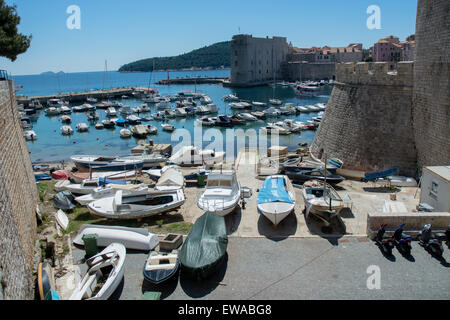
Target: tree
[(368, 59), (12, 43)]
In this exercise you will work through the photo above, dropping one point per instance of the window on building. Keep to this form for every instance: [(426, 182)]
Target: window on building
[(236, 63)]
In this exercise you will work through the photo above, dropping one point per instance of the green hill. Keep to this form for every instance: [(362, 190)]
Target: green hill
[(214, 56)]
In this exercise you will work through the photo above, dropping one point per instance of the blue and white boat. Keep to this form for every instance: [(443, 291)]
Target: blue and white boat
[(276, 198), (101, 163)]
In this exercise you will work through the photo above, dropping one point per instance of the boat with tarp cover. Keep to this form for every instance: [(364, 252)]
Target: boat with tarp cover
[(205, 247), (276, 198)]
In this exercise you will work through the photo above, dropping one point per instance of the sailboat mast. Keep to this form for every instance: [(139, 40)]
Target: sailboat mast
[(104, 74)]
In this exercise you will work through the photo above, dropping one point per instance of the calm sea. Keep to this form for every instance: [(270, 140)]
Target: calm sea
[(52, 146)]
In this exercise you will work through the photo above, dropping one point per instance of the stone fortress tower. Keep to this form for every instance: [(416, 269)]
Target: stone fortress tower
[(256, 61), (387, 115)]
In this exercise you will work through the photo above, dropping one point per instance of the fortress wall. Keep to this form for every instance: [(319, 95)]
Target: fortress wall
[(18, 200), (431, 97), (368, 122)]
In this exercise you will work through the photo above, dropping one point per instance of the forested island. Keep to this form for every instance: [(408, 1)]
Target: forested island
[(215, 56)]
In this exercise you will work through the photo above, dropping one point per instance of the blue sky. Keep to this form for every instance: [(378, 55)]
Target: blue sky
[(121, 31)]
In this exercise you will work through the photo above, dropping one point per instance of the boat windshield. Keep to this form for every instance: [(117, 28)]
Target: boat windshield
[(216, 183)]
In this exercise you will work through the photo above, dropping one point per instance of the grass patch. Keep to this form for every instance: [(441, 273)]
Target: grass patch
[(177, 227), (79, 217)]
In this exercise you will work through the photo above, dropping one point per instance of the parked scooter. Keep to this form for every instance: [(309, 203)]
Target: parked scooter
[(447, 237), (386, 243), (402, 241), (432, 243)]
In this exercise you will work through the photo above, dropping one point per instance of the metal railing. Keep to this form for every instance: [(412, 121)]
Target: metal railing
[(3, 75)]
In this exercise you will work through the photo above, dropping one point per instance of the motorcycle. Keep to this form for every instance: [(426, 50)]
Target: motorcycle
[(430, 242), (386, 243), (402, 241), (447, 237)]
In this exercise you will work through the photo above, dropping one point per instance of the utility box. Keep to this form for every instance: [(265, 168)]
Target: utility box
[(90, 244), (277, 151), (435, 188)]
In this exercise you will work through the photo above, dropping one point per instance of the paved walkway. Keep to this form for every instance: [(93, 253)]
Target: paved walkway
[(263, 269)]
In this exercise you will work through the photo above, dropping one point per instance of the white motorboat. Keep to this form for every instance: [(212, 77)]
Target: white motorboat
[(321, 106), (288, 125), (125, 111), (230, 97), (55, 103), (150, 160), (294, 126), (248, 117), (288, 110), (30, 135), (164, 103), (155, 98), (191, 155), (275, 102), (131, 238), (65, 110), (276, 198), (125, 133), (82, 127), (111, 112), (205, 121), (137, 205), (303, 109), (259, 104), (52, 111), (133, 119), (87, 186), (108, 191), (105, 163), (207, 109), (151, 129), (66, 130), (78, 177), (104, 274), (205, 100), (240, 105), (312, 108), (168, 127), (272, 112), (181, 113), (91, 100), (274, 129), (222, 194)]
